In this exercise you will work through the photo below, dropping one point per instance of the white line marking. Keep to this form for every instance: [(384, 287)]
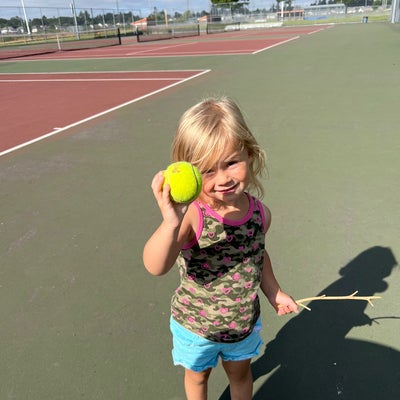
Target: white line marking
[(315, 31), (276, 44), (77, 58), (142, 51), (88, 80), (100, 72), (58, 130)]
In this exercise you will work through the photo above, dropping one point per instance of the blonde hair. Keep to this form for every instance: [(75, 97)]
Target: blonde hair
[(208, 128)]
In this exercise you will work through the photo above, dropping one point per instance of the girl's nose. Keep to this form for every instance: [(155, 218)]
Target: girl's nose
[(223, 177)]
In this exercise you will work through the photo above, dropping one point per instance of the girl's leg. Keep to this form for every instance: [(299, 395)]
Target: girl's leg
[(240, 379), (196, 384)]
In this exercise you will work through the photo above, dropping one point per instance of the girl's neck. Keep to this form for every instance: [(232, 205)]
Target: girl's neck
[(232, 211)]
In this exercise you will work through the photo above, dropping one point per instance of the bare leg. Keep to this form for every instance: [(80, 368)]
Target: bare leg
[(196, 384), (240, 379)]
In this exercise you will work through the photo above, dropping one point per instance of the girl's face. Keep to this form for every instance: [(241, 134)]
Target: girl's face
[(228, 178)]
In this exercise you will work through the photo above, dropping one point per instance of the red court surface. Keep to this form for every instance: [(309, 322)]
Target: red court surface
[(170, 48), (250, 41), (35, 106)]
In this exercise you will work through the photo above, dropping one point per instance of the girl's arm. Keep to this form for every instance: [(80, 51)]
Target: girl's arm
[(163, 247), (282, 302)]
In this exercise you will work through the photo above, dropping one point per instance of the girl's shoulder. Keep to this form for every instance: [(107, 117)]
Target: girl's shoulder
[(265, 212)]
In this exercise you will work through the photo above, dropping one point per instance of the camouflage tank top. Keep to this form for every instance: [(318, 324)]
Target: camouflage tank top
[(220, 274)]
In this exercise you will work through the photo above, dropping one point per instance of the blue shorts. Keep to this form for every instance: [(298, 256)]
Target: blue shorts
[(198, 354)]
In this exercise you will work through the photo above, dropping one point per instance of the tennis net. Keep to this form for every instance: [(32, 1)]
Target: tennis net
[(22, 45), (161, 32)]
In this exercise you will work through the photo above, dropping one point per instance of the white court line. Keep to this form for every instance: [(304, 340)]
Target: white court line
[(58, 130), (316, 31), (88, 80), (276, 44), (158, 48), (156, 71), (321, 29)]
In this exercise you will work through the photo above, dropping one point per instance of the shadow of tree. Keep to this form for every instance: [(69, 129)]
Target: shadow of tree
[(312, 359)]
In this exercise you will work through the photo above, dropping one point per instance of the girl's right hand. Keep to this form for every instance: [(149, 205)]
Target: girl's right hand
[(162, 249), (172, 212)]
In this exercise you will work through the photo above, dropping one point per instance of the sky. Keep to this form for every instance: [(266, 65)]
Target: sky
[(145, 5)]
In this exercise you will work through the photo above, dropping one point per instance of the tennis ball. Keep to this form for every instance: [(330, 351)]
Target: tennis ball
[(184, 180)]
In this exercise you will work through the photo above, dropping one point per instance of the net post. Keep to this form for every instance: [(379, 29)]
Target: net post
[(119, 36)]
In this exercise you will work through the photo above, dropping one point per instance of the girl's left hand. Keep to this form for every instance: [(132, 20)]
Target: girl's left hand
[(285, 304)]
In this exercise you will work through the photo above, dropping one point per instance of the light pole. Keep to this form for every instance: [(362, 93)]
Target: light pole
[(117, 4), (75, 20), (26, 19)]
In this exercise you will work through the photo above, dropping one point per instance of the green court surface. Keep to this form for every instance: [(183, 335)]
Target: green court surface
[(80, 316)]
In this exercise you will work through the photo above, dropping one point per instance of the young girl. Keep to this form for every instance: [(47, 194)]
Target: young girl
[(218, 244)]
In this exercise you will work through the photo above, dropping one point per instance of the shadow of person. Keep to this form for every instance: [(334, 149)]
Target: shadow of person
[(312, 359)]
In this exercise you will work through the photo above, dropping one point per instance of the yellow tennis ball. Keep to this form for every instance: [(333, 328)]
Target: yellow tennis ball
[(184, 180)]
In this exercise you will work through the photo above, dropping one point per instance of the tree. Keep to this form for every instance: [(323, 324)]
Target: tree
[(288, 5), (230, 4), (3, 22)]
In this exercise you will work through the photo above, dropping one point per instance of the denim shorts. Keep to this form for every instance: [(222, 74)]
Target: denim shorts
[(196, 353)]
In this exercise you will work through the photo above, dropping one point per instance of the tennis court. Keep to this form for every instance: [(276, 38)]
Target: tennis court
[(81, 318), (227, 43)]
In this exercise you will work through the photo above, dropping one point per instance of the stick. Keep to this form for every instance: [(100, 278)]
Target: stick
[(349, 297)]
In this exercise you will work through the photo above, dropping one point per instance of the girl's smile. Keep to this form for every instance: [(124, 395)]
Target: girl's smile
[(229, 189)]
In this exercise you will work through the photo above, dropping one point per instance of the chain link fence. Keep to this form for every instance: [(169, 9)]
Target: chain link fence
[(51, 19), (17, 20)]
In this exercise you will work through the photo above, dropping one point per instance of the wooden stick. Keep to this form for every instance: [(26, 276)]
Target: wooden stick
[(349, 297)]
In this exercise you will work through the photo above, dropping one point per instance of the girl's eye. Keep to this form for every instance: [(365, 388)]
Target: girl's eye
[(232, 162)]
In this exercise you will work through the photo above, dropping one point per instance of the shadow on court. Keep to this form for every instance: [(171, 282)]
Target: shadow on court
[(311, 358)]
